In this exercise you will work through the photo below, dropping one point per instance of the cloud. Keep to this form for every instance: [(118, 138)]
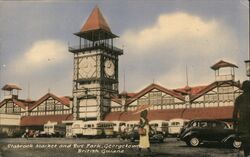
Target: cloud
[(46, 64), (41, 55), (180, 31), (161, 51)]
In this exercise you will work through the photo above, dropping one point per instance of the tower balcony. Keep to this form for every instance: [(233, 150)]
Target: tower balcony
[(228, 77), (87, 47)]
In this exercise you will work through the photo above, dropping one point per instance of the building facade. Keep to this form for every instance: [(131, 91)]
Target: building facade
[(208, 101), (16, 113)]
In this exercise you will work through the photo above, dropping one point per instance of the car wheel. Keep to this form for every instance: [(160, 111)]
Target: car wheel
[(236, 144), (194, 141)]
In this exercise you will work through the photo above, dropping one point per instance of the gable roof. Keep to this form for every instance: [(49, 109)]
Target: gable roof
[(151, 87), (190, 90), (20, 103), (41, 120), (95, 21), (222, 64), (167, 114), (63, 100), (211, 87), (116, 100)]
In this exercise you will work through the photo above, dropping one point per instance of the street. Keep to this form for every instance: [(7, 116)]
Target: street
[(111, 147)]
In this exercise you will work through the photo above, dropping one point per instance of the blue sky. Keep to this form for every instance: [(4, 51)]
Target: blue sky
[(159, 37)]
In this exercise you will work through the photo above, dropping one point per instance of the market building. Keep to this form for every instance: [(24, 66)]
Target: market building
[(16, 113), (212, 101), (12, 108), (47, 108)]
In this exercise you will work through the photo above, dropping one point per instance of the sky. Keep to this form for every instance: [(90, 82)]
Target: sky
[(161, 39)]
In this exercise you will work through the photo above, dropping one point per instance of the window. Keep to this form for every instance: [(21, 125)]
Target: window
[(219, 125), (9, 104), (228, 89), (50, 104), (211, 97), (59, 107), (2, 109), (155, 98), (41, 107), (143, 101), (195, 124), (175, 123), (9, 110), (50, 107), (167, 100), (203, 124), (17, 109)]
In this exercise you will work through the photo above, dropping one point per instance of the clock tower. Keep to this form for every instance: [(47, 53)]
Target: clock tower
[(95, 73)]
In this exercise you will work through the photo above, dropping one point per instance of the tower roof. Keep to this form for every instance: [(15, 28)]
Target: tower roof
[(95, 21), (10, 87), (222, 64), (96, 27)]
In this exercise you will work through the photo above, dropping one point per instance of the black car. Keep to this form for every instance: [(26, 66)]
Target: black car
[(198, 131), (153, 136)]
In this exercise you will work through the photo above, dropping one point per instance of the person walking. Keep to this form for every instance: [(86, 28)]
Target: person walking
[(123, 131), (144, 133), (27, 133), (241, 117)]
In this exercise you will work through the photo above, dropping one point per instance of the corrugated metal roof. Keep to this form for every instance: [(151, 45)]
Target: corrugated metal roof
[(167, 114), (41, 120)]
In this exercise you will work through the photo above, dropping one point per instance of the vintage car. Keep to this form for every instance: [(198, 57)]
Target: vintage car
[(154, 136), (202, 130)]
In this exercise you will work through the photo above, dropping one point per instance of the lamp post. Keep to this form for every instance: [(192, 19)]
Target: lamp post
[(248, 68)]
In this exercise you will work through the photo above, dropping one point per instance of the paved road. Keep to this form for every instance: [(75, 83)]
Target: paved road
[(58, 147)]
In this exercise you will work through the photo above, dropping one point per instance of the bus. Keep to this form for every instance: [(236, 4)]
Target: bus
[(160, 126), (53, 129), (117, 126), (98, 128), (77, 128), (175, 125), (132, 125)]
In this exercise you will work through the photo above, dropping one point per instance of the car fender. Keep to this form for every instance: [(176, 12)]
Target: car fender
[(229, 137), (189, 134)]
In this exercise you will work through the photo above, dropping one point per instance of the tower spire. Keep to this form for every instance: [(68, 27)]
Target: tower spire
[(95, 21)]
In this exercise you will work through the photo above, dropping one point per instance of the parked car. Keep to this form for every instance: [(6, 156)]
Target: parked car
[(160, 126), (202, 130), (154, 136), (175, 126)]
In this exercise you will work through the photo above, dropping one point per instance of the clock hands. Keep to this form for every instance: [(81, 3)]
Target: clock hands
[(109, 65)]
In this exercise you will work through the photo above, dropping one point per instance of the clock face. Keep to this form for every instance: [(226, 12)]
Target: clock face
[(109, 68), (87, 68)]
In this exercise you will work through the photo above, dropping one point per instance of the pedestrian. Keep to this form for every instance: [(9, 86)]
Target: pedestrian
[(241, 117), (144, 132), (123, 129), (27, 133)]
